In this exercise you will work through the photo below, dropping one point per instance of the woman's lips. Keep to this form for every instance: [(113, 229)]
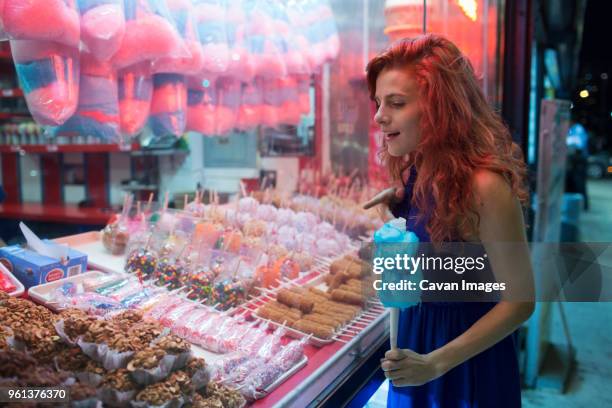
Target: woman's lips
[(391, 136)]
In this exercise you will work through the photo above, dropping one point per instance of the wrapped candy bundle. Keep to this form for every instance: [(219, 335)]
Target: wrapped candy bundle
[(272, 99), (201, 107), (322, 32), (251, 105), (49, 76), (241, 63), (266, 46), (102, 26), (135, 85), (150, 34), (210, 21), (289, 112), (44, 20), (182, 12), (228, 98), (168, 105), (97, 112), (303, 86)]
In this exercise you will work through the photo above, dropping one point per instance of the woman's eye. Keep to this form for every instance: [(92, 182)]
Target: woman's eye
[(397, 104)]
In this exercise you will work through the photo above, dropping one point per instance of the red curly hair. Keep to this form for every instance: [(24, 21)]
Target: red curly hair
[(461, 134)]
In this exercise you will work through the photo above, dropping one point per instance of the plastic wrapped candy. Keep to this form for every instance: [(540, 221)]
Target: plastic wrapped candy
[(321, 30), (272, 101), (150, 34), (48, 73), (201, 107), (251, 105), (303, 88), (98, 108), (265, 45), (45, 20), (135, 85), (228, 98), (141, 262), (102, 27), (289, 112), (241, 63), (210, 21), (168, 105), (182, 12)]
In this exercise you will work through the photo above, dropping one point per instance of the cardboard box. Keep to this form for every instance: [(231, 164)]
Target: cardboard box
[(32, 268)]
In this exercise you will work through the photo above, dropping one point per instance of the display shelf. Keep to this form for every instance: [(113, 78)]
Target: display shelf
[(11, 93), (67, 213)]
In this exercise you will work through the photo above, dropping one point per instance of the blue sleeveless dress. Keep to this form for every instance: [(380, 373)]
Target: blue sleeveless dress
[(489, 379)]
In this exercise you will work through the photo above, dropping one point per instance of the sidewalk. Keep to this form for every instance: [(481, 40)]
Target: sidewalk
[(589, 324)]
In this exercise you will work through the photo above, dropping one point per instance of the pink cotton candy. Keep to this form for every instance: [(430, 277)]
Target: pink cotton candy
[(135, 92), (102, 30), (201, 118), (188, 65), (148, 38), (49, 20), (133, 114), (53, 104), (216, 57), (169, 98)]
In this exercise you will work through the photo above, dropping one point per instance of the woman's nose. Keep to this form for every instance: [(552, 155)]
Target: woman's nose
[(380, 117)]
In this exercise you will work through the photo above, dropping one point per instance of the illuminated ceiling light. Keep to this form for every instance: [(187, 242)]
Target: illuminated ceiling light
[(469, 8), (584, 93)]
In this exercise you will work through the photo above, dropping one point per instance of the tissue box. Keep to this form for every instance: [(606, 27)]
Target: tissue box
[(32, 268)]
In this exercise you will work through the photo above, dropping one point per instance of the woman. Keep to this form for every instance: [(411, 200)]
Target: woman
[(460, 178)]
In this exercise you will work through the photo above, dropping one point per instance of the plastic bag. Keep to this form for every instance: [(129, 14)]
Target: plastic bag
[(98, 108), (182, 12), (251, 105), (168, 105), (135, 85), (228, 98), (241, 63), (289, 112), (150, 34), (202, 107), (44, 20), (266, 46), (272, 100), (102, 27), (319, 25), (210, 21), (48, 74)]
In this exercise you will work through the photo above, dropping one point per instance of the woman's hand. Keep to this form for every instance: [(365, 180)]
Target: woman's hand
[(404, 367), (389, 196)]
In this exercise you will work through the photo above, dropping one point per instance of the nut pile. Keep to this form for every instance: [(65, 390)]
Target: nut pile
[(76, 323), (100, 331), (173, 344), (218, 395), (127, 319), (160, 393), (5, 333), (146, 330), (147, 358), (95, 368), (80, 392), (119, 380), (72, 359)]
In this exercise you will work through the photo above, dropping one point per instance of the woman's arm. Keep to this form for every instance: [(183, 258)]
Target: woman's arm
[(501, 221)]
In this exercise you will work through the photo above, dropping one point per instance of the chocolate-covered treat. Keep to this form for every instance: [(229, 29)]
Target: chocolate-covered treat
[(80, 392), (13, 362)]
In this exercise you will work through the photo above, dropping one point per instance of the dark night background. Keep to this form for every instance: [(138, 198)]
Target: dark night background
[(595, 112)]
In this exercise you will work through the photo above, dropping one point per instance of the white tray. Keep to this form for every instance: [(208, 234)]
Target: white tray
[(40, 293), (98, 257), (212, 357)]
